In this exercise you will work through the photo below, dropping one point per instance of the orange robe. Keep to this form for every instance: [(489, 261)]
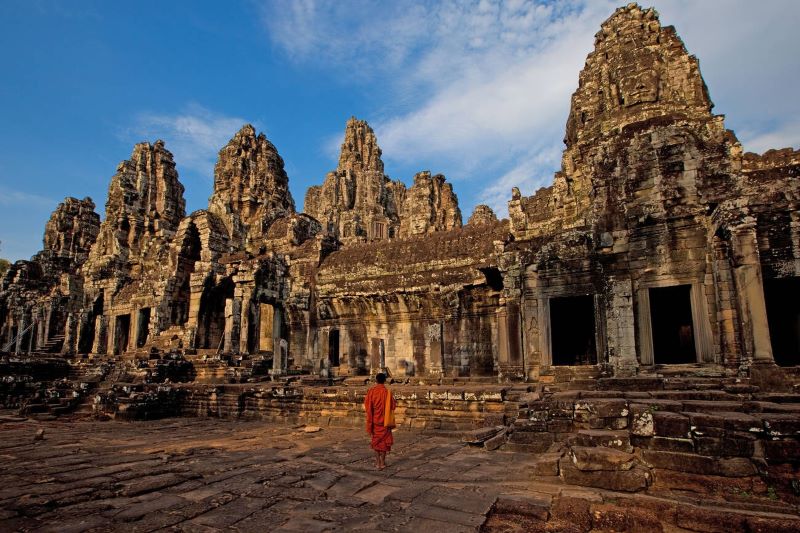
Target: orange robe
[(375, 404)]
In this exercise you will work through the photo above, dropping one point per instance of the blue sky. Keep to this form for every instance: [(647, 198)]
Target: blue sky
[(477, 90)]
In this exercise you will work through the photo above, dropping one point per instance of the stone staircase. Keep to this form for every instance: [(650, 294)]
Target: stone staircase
[(54, 344), (708, 440)]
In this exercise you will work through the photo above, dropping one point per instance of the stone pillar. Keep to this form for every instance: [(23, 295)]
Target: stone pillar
[(20, 329), (111, 335), (645, 326), (70, 335), (750, 292), (764, 373), (100, 344), (619, 326), (133, 330), (47, 318), (545, 342), (43, 331), (509, 356), (233, 311), (31, 335), (279, 345), (244, 321), (434, 333), (703, 340)]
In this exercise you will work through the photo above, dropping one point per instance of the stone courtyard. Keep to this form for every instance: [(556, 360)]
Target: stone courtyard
[(223, 475)]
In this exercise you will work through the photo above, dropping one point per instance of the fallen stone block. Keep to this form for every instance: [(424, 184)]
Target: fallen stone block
[(480, 435), (600, 458), (496, 441)]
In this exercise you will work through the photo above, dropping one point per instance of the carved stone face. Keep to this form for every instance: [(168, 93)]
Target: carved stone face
[(639, 88)]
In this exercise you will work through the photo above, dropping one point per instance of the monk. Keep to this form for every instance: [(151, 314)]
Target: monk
[(375, 405)]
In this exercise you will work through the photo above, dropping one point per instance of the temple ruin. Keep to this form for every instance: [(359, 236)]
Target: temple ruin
[(632, 330), (658, 243)]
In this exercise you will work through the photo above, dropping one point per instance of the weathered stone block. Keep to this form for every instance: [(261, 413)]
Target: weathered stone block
[(619, 440), (539, 441), (782, 451), (534, 507), (633, 480), (600, 458), (495, 442), (671, 425), (546, 464)]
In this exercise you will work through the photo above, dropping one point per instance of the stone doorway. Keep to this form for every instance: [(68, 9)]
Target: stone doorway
[(142, 327), (122, 330), (573, 335), (782, 296), (87, 331), (672, 325), (211, 317), (333, 347)]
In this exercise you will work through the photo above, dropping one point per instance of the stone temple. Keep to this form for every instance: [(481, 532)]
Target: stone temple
[(658, 243), (662, 259)]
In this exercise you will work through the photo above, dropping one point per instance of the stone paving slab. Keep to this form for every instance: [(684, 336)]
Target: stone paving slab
[(212, 475), (223, 475)]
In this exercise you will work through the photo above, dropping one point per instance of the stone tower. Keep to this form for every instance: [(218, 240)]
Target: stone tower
[(429, 205), (357, 201), (251, 188), (144, 207)]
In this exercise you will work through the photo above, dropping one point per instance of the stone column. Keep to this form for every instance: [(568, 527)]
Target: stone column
[(43, 331), (645, 326), (619, 326), (750, 291), (31, 335), (20, 329), (70, 335), (545, 342), (508, 339), (100, 343), (278, 347), (244, 322), (133, 330), (435, 336), (233, 312), (764, 373)]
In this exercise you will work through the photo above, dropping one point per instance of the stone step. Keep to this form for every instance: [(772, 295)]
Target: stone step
[(618, 440)]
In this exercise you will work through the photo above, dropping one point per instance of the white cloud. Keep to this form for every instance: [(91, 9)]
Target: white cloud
[(785, 135), (481, 89), (194, 136), (16, 198)]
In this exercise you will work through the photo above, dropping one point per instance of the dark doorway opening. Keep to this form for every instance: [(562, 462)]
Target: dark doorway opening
[(333, 347), (783, 314), (122, 329), (673, 330), (572, 330), (143, 327), (211, 317), (86, 338)]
